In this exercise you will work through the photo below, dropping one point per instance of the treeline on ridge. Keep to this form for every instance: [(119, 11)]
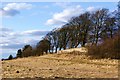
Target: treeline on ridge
[(95, 29)]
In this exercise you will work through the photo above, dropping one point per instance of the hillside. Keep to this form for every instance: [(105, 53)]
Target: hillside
[(70, 63)]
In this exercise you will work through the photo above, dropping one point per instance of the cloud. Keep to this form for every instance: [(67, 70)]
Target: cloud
[(6, 32), (18, 6), (65, 15), (16, 40), (18, 43), (9, 13), (5, 29), (12, 46), (90, 8), (35, 32), (12, 9)]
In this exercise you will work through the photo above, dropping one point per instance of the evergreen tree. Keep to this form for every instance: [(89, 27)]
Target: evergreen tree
[(19, 53), (10, 57)]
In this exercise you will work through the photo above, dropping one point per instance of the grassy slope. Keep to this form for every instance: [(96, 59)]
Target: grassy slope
[(64, 64)]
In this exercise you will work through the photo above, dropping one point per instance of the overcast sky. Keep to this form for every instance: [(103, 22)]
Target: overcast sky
[(26, 23)]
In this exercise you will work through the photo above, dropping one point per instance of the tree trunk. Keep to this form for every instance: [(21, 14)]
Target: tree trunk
[(56, 49)]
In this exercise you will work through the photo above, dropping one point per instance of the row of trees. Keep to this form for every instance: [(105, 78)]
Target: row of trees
[(42, 47), (88, 28)]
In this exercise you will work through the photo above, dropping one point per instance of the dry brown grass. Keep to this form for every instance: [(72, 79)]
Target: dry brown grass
[(69, 65)]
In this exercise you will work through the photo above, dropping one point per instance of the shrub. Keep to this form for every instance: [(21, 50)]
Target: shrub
[(109, 48)]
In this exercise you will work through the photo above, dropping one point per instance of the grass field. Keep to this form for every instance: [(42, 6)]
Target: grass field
[(72, 64)]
